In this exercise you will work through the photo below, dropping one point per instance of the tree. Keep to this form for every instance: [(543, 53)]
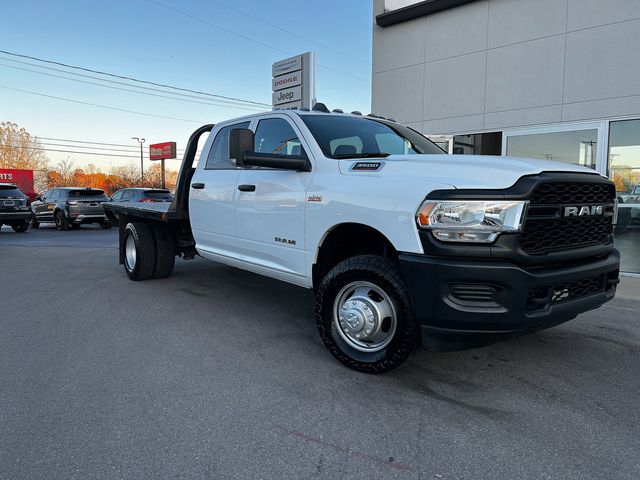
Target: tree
[(153, 176), (19, 149)]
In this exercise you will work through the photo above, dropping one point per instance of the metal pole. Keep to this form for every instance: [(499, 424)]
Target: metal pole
[(140, 141), (162, 167), (141, 166)]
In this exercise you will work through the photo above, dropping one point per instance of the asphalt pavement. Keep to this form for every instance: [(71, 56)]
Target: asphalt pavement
[(216, 373)]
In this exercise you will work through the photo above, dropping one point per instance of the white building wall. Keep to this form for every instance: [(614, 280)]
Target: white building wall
[(495, 64)]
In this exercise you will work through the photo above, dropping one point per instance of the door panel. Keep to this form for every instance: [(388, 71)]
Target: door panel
[(212, 207), (270, 219)]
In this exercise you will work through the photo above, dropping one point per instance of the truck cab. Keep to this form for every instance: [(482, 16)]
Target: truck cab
[(402, 243)]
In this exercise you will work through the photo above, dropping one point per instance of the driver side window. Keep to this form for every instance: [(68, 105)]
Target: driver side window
[(275, 135)]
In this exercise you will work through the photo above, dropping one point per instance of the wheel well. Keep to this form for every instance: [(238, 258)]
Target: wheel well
[(348, 240)]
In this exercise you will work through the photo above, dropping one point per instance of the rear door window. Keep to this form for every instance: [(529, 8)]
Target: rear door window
[(218, 157), (127, 195)]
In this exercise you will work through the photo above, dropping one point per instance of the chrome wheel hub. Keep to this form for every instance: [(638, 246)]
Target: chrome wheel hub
[(364, 316), (130, 253)]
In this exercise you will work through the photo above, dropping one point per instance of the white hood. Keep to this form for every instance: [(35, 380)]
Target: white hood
[(462, 171)]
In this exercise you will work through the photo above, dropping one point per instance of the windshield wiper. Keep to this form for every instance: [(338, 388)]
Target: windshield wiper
[(362, 155)]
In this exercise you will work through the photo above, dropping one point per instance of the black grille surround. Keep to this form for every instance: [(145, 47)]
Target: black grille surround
[(546, 237), (545, 228)]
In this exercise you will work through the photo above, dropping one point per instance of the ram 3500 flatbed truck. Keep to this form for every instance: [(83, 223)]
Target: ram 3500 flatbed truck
[(402, 243)]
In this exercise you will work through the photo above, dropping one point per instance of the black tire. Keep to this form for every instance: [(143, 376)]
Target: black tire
[(106, 225), (61, 220), (383, 273), (21, 227), (145, 259), (34, 223), (165, 250)]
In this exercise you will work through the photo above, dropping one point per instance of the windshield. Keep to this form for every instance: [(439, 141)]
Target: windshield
[(10, 191), (363, 137)]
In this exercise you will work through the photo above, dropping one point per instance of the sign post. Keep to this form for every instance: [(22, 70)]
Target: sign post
[(162, 152), (294, 82)]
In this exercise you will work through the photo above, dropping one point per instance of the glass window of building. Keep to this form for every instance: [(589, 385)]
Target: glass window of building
[(575, 146), (478, 144), (624, 170)]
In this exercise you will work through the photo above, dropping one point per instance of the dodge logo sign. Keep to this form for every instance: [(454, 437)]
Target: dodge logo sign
[(583, 211)]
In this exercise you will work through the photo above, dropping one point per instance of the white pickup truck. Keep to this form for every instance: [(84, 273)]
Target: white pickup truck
[(402, 243)]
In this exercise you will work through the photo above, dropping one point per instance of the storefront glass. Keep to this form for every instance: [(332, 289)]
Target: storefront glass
[(624, 170), (574, 146)]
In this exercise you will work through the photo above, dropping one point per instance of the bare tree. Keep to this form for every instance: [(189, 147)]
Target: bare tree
[(130, 174), (19, 149)]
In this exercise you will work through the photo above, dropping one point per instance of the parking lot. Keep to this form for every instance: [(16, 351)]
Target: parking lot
[(217, 373)]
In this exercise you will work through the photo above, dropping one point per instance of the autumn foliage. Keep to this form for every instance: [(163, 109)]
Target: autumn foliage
[(65, 175), (22, 151)]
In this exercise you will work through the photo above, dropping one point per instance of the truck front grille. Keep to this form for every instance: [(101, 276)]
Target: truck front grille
[(546, 228)]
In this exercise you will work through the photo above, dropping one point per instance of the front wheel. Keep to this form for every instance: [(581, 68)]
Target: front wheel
[(364, 316), (61, 220)]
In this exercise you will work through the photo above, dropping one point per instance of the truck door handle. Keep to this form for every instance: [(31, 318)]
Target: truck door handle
[(198, 186), (247, 188)]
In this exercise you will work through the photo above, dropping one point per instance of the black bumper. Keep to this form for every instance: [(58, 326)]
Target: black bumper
[(465, 303), (10, 218)]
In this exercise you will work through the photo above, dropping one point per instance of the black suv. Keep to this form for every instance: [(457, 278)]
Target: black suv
[(14, 208), (70, 207), (141, 195)]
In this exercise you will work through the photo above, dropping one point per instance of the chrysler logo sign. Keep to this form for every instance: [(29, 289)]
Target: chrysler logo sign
[(585, 211)]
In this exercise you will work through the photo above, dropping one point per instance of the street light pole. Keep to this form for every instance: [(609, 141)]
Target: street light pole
[(140, 141)]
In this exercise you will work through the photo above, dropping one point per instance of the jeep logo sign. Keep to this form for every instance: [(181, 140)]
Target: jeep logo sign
[(583, 211), (287, 95)]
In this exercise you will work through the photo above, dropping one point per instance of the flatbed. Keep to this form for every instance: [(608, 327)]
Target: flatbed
[(168, 220), (160, 211)]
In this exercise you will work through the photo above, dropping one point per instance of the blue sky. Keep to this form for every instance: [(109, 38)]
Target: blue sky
[(149, 40)]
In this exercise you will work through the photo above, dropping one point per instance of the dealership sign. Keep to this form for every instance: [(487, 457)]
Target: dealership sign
[(294, 82), (285, 81), (162, 151)]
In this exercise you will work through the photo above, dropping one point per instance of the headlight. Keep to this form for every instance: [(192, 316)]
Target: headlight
[(470, 221)]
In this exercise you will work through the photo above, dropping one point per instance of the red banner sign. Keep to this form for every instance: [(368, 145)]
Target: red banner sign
[(22, 178), (162, 151)]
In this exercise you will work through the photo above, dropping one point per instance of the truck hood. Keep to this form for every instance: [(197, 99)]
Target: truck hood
[(460, 171)]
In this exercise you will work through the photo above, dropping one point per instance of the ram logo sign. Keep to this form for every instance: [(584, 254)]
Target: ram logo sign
[(584, 211)]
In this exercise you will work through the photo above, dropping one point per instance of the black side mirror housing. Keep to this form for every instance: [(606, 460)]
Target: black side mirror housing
[(296, 163), (240, 142), (38, 198)]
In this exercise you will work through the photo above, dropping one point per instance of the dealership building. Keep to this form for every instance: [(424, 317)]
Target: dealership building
[(551, 79)]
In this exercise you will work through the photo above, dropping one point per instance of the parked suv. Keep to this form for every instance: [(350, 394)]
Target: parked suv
[(70, 207), (141, 195), (14, 208)]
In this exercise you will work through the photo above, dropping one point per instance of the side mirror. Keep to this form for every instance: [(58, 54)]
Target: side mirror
[(240, 142), (38, 198)]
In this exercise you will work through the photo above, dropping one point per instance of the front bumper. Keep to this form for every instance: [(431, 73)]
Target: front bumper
[(465, 303), (9, 218)]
